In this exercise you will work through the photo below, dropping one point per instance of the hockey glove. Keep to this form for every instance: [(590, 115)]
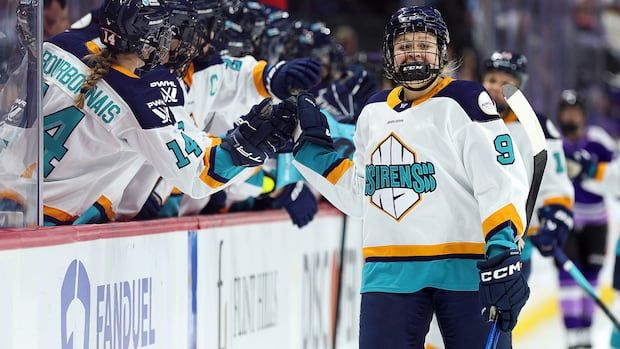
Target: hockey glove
[(503, 286), (345, 98), (314, 126), (286, 78), (299, 202), (261, 133), (555, 223), (581, 165), (216, 204)]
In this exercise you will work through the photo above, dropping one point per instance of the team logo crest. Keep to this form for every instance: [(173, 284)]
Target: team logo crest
[(395, 180)]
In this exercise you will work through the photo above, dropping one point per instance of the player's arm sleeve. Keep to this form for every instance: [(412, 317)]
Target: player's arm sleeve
[(186, 158), (339, 179), (555, 188), (607, 177), (497, 174)]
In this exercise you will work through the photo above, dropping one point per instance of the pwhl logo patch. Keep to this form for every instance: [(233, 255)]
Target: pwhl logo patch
[(395, 181), (75, 307)]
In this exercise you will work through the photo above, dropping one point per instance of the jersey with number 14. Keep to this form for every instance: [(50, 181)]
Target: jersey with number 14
[(126, 121)]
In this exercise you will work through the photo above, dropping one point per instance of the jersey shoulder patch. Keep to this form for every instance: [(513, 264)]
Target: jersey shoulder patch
[(378, 97), (146, 99), (473, 98)]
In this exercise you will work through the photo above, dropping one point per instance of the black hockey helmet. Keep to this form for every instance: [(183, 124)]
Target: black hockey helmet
[(242, 28), (512, 63), (278, 26), (184, 23), (209, 16), (570, 98), (415, 19), (137, 26)]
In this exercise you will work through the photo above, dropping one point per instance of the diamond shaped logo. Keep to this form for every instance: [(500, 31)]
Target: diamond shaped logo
[(395, 180)]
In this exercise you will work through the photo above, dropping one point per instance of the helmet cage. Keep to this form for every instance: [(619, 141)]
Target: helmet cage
[(413, 20)]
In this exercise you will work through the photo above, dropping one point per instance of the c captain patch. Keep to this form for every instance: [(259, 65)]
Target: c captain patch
[(395, 181)]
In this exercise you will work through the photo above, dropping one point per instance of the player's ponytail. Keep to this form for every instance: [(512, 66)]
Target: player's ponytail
[(101, 63)]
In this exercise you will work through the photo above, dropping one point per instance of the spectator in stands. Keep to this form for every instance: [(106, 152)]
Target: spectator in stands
[(55, 17)]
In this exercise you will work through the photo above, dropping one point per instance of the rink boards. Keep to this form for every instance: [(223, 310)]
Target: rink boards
[(248, 280)]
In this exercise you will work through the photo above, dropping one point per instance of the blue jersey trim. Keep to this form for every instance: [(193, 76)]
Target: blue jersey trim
[(379, 97), (466, 93)]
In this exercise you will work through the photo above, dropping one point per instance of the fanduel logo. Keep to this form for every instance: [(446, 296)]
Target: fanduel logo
[(500, 273), (123, 312), (75, 307)]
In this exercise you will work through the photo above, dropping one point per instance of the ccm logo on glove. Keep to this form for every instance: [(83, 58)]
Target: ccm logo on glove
[(500, 273)]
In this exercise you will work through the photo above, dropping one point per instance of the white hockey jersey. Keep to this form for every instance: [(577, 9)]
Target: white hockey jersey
[(436, 181), (125, 122), (555, 188), (217, 92)]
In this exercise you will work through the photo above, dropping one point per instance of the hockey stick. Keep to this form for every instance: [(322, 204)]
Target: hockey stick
[(576, 274), (526, 115), (493, 337)]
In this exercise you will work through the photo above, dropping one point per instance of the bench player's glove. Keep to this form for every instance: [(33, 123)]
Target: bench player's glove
[(314, 126), (581, 165), (555, 223), (265, 130), (503, 286), (285, 78), (299, 202), (345, 98)]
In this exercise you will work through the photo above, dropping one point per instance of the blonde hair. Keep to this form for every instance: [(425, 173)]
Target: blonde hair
[(101, 62), (451, 67)]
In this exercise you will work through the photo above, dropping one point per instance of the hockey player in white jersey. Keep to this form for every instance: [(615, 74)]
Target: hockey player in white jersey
[(217, 86), (553, 219), (127, 121), (441, 190)]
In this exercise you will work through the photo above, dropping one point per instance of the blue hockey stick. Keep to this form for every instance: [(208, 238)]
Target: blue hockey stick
[(493, 337), (581, 280)]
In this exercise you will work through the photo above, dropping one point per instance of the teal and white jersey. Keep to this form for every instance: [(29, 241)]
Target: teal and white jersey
[(126, 121), (224, 85), (216, 93), (555, 188), (438, 183)]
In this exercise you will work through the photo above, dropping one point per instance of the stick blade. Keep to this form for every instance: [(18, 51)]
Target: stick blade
[(526, 115)]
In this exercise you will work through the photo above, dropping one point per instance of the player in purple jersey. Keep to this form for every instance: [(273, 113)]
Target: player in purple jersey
[(593, 148)]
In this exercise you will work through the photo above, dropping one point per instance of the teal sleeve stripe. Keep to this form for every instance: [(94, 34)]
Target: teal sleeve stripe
[(222, 165), (91, 216), (528, 249), (318, 158), (411, 276), (171, 207), (500, 241), (257, 179), (286, 173)]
